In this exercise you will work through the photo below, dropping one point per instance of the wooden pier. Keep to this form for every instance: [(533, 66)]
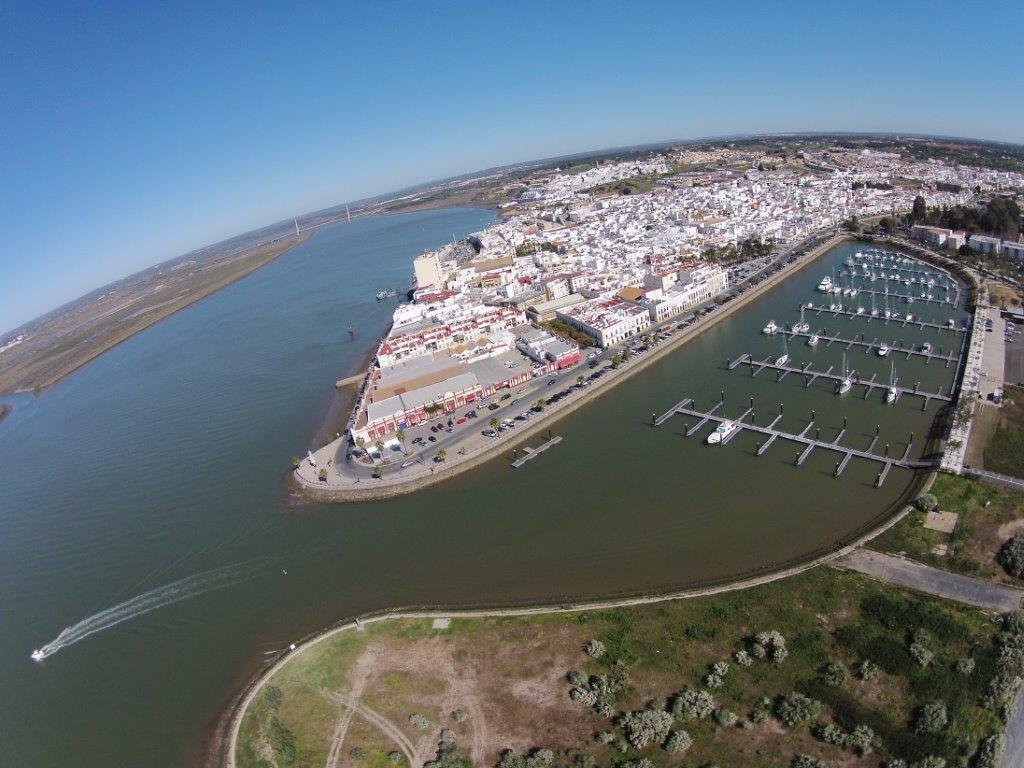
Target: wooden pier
[(529, 453), (808, 443)]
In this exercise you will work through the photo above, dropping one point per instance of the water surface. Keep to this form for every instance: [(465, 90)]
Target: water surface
[(164, 459)]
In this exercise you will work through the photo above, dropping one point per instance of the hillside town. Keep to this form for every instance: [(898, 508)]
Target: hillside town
[(598, 255)]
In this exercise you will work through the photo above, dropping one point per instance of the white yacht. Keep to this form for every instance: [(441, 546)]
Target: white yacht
[(37, 655), (951, 323), (883, 350), (927, 347), (722, 431), (825, 285), (813, 341), (860, 310), (910, 318), (809, 305), (771, 329)]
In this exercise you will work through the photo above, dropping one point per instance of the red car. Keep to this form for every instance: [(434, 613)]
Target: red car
[(460, 421)]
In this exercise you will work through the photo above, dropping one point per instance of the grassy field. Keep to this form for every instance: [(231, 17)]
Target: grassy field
[(486, 685), (987, 517), (1005, 451)]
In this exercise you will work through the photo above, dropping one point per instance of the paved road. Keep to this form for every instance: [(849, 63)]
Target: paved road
[(924, 578), (1013, 757), (994, 478)]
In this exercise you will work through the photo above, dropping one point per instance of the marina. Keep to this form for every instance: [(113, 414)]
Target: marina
[(820, 309), (860, 340), (809, 443)]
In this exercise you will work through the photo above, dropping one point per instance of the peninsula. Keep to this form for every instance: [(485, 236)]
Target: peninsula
[(598, 268)]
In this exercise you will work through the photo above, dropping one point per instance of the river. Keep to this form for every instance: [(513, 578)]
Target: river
[(144, 495)]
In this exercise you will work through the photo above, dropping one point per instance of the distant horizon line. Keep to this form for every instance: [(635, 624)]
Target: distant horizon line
[(503, 168)]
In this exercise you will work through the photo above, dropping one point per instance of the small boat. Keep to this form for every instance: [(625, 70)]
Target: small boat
[(37, 655), (771, 329), (722, 432), (825, 285), (927, 347), (809, 305), (910, 318), (813, 341), (951, 323), (860, 310), (883, 350)]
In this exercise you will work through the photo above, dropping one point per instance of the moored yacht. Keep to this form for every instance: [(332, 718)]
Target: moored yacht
[(771, 328), (722, 431), (784, 357), (846, 383), (892, 393), (813, 341), (825, 285), (883, 350)]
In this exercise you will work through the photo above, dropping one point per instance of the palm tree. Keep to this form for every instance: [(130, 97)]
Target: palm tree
[(494, 423), (400, 436), (360, 442), (580, 379), (441, 455), (322, 474), (541, 403)]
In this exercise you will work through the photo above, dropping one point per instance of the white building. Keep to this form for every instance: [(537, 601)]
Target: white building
[(607, 321)]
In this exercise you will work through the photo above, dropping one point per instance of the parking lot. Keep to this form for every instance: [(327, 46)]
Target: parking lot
[(1014, 364)]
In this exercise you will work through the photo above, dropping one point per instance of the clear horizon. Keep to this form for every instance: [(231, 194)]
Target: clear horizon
[(135, 135)]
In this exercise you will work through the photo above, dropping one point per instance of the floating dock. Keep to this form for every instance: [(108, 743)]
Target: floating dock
[(808, 443), (810, 376), (529, 453), (902, 321), (870, 346)]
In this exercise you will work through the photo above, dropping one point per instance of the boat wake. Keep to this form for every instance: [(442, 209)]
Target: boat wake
[(174, 592)]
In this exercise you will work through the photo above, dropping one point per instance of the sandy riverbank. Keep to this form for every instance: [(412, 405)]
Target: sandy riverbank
[(338, 489), (69, 342)]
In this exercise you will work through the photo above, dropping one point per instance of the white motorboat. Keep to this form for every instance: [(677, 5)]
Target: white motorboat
[(809, 305), (951, 323), (722, 432), (927, 347), (825, 285), (803, 326), (883, 350), (771, 328), (910, 318), (813, 341), (860, 310), (37, 655)]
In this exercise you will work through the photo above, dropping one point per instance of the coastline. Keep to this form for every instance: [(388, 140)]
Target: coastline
[(4, 410), (223, 748), (384, 489), (156, 316)]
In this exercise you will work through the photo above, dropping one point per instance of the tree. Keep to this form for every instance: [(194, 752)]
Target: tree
[(360, 442), (931, 718), (295, 462), (888, 224), (322, 474), (852, 224), (379, 445), (919, 210), (794, 708), (645, 726), (400, 436), (541, 402), (926, 502), (1011, 556), (494, 423), (580, 379), (678, 742), (441, 455)]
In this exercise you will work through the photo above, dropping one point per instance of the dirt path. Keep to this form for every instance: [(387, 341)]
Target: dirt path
[(382, 724), (360, 672), (925, 578)]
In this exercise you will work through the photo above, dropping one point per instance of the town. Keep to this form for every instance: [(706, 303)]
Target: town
[(595, 258)]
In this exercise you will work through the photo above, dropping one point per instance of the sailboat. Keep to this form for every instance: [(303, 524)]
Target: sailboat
[(847, 381), (803, 326), (892, 393), (874, 309), (784, 357)]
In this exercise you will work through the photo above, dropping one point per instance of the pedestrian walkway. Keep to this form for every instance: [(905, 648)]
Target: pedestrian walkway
[(933, 581)]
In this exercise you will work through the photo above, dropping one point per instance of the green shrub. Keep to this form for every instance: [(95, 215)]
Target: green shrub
[(794, 708), (931, 718), (678, 742), (835, 674), (1011, 556), (645, 726)]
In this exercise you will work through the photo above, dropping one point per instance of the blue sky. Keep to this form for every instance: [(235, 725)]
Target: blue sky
[(131, 133)]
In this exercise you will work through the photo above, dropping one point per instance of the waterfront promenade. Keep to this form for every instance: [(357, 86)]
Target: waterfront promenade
[(347, 481)]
